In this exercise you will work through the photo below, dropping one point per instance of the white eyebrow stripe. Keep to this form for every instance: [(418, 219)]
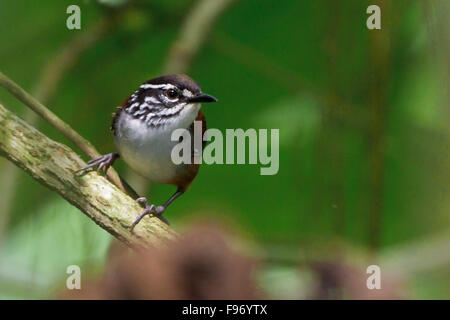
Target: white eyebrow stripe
[(158, 86)]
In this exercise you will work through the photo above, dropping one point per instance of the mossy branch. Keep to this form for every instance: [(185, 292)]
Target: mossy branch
[(45, 89), (54, 164), (56, 122)]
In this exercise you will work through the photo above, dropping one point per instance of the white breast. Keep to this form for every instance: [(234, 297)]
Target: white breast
[(148, 150)]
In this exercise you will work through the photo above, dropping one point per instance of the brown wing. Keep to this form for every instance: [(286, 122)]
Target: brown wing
[(201, 117), (188, 172)]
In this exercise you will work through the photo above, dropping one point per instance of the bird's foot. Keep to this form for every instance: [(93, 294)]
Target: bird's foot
[(156, 211), (102, 163)]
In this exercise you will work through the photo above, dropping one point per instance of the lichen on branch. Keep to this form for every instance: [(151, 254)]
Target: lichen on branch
[(54, 164)]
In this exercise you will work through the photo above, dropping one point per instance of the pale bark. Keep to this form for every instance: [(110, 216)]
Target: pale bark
[(56, 122), (54, 164)]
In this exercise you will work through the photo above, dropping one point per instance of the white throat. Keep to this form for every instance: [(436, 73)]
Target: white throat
[(146, 149)]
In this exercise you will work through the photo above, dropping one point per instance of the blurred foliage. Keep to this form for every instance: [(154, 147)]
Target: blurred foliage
[(304, 67), (55, 235)]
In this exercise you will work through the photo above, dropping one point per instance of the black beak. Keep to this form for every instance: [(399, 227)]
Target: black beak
[(202, 98)]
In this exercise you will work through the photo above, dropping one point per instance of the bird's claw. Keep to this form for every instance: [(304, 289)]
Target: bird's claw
[(102, 163), (142, 201), (156, 211)]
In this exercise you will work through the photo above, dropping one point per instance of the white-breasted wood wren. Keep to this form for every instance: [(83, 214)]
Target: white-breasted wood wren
[(142, 128)]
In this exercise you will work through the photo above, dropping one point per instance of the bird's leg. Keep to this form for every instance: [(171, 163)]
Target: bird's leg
[(152, 209), (102, 162)]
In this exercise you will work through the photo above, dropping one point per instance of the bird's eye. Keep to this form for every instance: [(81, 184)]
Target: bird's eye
[(172, 93)]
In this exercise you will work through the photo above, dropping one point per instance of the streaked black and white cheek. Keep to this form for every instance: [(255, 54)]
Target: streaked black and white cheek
[(152, 100)]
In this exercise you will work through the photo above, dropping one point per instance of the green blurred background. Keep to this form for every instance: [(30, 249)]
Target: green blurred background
[(363, 118)]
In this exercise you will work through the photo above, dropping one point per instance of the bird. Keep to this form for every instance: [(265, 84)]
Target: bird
[(142, 127)]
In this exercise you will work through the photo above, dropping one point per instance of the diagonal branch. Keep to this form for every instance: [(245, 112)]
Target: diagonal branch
[(53, 164), (45, 89), (56, 122)]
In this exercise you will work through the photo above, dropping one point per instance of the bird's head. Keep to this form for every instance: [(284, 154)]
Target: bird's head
[(164, 99)]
